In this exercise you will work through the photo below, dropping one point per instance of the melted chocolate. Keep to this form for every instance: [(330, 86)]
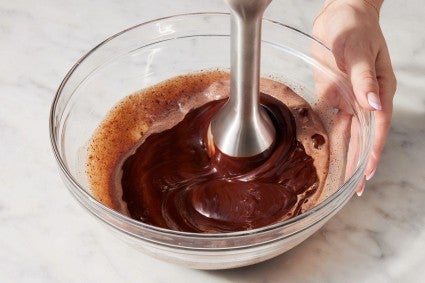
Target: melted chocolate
[(173, 182), (318, 140)]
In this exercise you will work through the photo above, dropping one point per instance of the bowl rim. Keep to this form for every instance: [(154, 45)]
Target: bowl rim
[(158, 230)]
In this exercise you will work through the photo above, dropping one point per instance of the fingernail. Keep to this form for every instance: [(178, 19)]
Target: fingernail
[(374, 100), (360, 192), (370, 176)]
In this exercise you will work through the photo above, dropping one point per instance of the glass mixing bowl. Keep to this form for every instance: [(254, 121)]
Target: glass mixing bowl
[(151, 52)]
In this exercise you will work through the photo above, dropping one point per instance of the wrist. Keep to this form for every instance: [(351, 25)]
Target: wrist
[(376, 3), (371, 4)]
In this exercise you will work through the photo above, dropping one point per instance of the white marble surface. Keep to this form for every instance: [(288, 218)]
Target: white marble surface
[(45, 236)]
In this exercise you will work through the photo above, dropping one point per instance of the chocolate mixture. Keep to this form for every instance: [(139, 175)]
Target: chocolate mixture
[(172, 182), (171, 178)]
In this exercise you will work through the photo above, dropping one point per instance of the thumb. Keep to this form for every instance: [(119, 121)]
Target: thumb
[(365, 84)]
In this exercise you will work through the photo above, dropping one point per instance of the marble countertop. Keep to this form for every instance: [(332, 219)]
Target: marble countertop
[(45, 236)]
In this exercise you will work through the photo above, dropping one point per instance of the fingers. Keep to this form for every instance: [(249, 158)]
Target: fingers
[(361, 187), (382, 126), (387, 84), (373, 83), (364, 80), (374, 86)]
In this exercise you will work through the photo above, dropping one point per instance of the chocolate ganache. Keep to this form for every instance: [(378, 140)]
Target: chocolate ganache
[(152, 159), (174, 181)]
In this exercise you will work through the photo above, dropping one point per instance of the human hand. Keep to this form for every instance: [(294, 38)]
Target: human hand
[(351, 29)]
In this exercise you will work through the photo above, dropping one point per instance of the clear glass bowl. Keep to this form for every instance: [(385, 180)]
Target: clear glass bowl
[(158, 50)]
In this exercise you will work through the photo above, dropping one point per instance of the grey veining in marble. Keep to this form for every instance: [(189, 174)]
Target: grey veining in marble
[(46, 237)]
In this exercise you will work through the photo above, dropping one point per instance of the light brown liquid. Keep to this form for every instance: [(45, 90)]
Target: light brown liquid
[(163, 106)]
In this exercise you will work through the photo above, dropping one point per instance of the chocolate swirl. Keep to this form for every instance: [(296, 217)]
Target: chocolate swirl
[(173, 182)]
